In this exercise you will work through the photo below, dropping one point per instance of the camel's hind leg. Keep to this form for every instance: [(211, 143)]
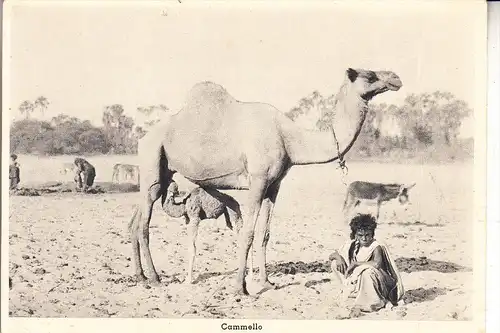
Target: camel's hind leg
[(136, 254), (153, 195), (140, 234)]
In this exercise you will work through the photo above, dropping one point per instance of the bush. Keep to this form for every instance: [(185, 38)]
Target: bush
[(63, 135)]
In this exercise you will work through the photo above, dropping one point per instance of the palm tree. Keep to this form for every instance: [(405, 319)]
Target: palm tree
[(26, 108), (42, 103)]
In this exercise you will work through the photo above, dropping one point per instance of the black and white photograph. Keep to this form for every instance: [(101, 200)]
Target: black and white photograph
[(244, 162)]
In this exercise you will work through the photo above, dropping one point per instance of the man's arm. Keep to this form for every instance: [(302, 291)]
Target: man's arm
[(377, 260), (341, 264)]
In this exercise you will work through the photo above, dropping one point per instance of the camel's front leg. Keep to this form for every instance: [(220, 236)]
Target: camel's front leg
[(232, 214), (192, 235), (246, 235), (250, 263), (262, 239)]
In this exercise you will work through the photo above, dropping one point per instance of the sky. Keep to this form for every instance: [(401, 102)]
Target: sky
[(85, 57)]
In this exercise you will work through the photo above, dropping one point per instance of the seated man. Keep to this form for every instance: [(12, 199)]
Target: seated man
[(366, 269), (85, 174)]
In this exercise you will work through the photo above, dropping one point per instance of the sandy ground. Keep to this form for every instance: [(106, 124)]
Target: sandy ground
[(70, 254)]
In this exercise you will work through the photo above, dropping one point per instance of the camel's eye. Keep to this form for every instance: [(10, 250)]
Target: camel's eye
[(371, 77)]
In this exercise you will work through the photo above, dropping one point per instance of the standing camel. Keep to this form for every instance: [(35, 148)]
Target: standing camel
[(129, 172), (218, 142)]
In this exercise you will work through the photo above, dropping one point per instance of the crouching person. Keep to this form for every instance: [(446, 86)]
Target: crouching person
[(84, 174), (366, 269)]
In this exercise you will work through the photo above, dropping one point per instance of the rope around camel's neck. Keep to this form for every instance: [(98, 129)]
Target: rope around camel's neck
[(343, 101)]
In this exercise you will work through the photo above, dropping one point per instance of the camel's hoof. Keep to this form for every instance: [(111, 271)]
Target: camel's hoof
[(188, 281), (266, 285), (241, 292), (155, 281), (140, 277)]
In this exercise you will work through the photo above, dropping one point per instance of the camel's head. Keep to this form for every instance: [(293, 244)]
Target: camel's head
[(172, 190), (369, 83)]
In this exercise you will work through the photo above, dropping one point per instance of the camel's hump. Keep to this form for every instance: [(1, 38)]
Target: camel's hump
[(207, 95)]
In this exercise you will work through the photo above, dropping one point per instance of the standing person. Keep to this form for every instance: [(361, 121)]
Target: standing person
[(14, 172), (85, 174), (366, 268)]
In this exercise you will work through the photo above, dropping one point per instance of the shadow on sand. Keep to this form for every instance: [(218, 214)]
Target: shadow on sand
[(420, 295), (205, 276), (417, 223), (38, 189), (410, 265), (298, 267)]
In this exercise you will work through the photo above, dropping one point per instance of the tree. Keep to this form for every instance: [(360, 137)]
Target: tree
[(118, 129), (42, 103), (153, 114), (94, 140), (310, 111), (26, 108), (139, 132), (433, 117)]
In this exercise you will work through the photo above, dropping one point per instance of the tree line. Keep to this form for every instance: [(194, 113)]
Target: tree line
[(66, 135), (425, 125)]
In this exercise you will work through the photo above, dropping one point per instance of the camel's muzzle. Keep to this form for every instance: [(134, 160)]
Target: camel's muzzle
[(394, 83)]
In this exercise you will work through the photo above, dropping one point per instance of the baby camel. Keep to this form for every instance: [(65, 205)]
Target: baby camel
[(197, 205)]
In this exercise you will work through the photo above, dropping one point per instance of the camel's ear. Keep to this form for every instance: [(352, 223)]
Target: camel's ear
[(401, 189), (411, 185), (352, 74)]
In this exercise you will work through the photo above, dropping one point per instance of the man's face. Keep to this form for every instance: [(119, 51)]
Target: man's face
[(364, 237)]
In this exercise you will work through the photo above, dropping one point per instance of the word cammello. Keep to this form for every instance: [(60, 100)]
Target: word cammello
[(252, 327)]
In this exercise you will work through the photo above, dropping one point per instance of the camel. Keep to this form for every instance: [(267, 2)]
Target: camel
[(129, 172), (218, 142), (199, 205)]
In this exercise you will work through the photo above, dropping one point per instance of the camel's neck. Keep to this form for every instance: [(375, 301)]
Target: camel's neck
[(315, 147)]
